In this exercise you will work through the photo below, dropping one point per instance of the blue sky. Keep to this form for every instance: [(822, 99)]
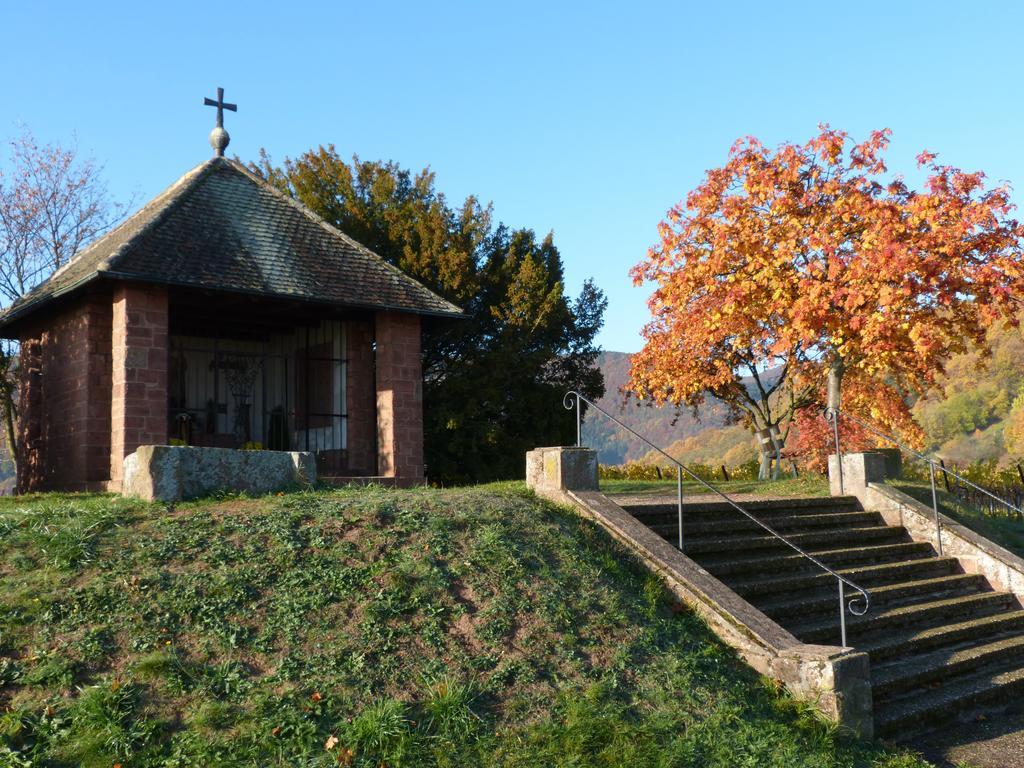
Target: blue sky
[(589, 119)]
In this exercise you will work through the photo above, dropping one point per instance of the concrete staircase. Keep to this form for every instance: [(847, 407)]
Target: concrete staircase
[(942, 642)]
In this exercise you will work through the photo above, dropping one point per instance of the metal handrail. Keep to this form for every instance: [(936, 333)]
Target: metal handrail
[(567, 402), (832, 415)]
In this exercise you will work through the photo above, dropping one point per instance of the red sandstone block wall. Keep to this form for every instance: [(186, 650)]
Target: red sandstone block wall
[(64, 419), (31, 455), (139, 349), (399, 397)]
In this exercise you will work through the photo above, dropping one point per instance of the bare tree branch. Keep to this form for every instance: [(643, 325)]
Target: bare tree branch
[(52, 202)]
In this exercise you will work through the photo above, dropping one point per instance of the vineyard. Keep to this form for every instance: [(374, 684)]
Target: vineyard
[(635, 470), (1005, 482)]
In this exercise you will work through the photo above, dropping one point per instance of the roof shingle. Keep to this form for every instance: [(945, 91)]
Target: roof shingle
[(221, 227)]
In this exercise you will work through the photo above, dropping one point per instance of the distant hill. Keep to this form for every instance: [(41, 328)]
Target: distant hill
[(965, 416), (613, 445), (730, 445)]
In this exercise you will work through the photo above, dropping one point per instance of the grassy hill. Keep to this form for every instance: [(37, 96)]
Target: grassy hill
[(472, 627)]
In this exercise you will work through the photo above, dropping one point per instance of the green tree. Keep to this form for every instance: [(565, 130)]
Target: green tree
[(493, 382)]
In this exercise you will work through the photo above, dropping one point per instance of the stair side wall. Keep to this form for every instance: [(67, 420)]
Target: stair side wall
[(1003, 569), (864, 476)]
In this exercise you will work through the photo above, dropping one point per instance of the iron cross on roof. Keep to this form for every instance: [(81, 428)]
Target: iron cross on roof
[(219, 138)]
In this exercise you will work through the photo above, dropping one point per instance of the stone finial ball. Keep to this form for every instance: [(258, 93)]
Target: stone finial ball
[(219, 140)]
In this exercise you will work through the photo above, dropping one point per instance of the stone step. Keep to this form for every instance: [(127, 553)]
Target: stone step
[(941, 641), (783, 523), (865, 575), (888, 596), (916, 640), (916, 672), (929, 613), (650, 512), (915, 712), (729, 564), (695, 546), (653, 513)]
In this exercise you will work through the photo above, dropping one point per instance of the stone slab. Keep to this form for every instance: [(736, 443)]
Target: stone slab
[(176, 473)]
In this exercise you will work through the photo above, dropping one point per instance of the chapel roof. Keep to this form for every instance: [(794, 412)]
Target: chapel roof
[(222, 227)]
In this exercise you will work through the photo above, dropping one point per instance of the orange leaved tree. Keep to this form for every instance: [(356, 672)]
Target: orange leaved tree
[(811, 260)]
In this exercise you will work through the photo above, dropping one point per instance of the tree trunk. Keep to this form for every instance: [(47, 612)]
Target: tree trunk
[(835, 378), (768, 447), (766, 463), (776, 451)]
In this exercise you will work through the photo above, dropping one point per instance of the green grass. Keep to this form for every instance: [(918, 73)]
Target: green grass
[(807, 485), (465, 627)]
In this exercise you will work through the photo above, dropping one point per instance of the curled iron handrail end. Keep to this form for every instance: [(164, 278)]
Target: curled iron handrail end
[(863, 596), (571, 399)]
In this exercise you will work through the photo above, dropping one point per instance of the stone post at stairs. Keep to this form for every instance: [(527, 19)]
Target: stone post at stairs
[(550, 472), (859, 469)]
